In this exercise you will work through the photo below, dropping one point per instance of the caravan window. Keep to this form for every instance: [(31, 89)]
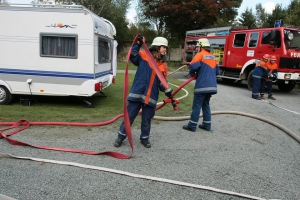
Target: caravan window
[(104, 50), (58, 45)]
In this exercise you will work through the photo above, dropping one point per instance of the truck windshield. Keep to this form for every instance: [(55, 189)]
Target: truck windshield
[(295, 42)]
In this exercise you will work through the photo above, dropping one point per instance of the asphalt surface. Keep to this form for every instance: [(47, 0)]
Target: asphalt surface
[(240, 154)]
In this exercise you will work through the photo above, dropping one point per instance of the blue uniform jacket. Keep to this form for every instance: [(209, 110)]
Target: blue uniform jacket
[(261, 69), (205, 66), (146, 85)]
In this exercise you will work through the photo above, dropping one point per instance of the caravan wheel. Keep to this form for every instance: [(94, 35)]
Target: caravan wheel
[(5, 96)]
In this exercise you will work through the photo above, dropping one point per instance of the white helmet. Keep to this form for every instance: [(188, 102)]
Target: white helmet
[(160, 41), (203, 42)]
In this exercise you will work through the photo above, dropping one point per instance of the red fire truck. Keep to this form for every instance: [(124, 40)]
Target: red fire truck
[(237, 48)]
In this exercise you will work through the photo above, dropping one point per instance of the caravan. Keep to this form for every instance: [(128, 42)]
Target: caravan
[(57, 50)]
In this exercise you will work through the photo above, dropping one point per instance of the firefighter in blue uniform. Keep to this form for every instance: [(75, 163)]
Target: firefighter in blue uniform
[(145, 88), (260, 72), (205, 66)]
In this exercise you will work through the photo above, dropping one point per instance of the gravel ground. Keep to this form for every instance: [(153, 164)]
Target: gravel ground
[(240, 154)]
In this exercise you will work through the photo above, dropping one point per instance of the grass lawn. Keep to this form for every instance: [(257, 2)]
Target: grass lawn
[(72, 109)]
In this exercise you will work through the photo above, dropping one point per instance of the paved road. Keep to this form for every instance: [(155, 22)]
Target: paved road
[(240, 154)]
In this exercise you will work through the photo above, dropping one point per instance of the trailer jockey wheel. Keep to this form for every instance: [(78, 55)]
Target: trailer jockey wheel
[(250, 81), (5, 96)]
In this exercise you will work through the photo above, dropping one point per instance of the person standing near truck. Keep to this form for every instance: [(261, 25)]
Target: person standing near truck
[(205, 67), (260, 72), (145, 88), (272, 66)]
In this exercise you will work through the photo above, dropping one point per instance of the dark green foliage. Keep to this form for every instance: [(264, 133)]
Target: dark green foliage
[(293, 13), (248, 19), (278, 13)]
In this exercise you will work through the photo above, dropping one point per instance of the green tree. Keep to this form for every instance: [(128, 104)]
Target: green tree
[(261, 16), (225, 17), (144, 28), (175, 17), (156, 21), (277, 14), (293, 13), (248, 18)]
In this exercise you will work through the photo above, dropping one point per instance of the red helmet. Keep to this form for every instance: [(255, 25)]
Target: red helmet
[(273, 58), (266, 56)]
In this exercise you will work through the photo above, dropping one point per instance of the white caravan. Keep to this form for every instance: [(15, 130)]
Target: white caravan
[(57, 50)]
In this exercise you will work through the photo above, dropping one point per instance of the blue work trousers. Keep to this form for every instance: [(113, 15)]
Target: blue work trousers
[(269, 87), (256, 88), (200, 101), (262, 85), (133, 108)]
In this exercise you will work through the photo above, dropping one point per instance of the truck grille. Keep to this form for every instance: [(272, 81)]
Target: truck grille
[(289, 63)]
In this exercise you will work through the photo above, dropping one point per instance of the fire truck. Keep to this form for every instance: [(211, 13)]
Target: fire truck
[(237, 48)]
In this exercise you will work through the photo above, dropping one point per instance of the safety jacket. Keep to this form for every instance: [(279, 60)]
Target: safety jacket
[(146, 84), (261, 69), (272, 67), (205, 66)]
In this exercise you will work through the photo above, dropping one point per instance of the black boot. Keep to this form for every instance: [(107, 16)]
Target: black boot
[(146, 143), (118, 142), (186, 127)]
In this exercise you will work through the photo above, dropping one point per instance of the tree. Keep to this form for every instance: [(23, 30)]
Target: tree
[(261, 16), (248, 18), (157, 22), (277, 14), (293, 13), (226, 16), (178, 16)]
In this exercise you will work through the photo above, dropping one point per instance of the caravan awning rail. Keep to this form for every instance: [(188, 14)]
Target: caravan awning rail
[(56, 6)]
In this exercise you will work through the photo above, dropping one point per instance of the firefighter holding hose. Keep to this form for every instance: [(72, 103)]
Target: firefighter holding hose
[(260, 74), (272, 66), (146, 86)]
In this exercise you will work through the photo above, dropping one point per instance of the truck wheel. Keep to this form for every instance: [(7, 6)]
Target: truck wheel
[(250, 81), (228, 80), (5, 96), (286, 87)]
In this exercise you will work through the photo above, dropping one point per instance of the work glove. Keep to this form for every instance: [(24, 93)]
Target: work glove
[(168, 92), (140, 40), (274, 76), (192, 74), (271, 75)]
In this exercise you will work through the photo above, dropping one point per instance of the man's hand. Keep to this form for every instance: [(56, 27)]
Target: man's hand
[(192, 74), (271, 75), (168, 92), (140, 40)]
